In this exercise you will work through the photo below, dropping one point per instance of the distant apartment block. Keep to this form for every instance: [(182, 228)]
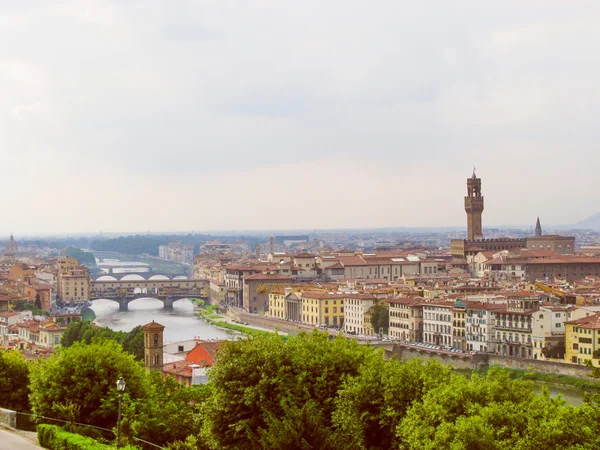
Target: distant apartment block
[(177, 252)]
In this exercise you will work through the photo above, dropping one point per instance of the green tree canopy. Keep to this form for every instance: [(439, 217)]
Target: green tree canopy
[(169, 412), (78, 383), (14, 381), (494, 412), (86, 332), (380, 317), (266, 390), (371, 404)]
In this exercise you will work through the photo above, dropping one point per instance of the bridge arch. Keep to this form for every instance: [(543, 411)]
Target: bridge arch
[(158, 277), (132, 277), (106, 278)]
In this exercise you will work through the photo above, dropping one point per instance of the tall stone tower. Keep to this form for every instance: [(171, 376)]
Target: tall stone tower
[(538, 228), (153, 345), (474, 208)]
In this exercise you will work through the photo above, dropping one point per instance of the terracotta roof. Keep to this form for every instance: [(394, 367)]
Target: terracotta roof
[(153, 326), (415, 301), (322, 295), (180, 368), (305, 255), (267, 276), (589, 322)]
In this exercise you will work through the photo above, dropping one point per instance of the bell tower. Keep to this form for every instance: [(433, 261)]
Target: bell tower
[(153, 345), (474, 208)]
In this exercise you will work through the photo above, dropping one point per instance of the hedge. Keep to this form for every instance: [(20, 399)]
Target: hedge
[(55, 438)]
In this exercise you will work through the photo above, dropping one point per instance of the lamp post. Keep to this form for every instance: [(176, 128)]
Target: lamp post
[(120, 389)]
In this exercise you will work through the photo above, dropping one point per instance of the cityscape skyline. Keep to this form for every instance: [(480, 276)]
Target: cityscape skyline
[(220, 116)]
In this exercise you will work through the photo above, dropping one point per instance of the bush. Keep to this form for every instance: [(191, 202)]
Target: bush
[(55, 438)]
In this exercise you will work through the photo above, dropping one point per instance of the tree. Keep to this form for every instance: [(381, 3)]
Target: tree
[(380, 317), (14, 381), (494, 412), (168, 413), (371, 404), (133, 342), (26, 305), (87, 332), (264, 387), (78, 383), (38, 301)]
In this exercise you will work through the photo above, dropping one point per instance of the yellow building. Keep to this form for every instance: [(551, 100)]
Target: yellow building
[(73, 283), (459, 329), (582, 339), (50, 334), (323, 308), (277, 304)]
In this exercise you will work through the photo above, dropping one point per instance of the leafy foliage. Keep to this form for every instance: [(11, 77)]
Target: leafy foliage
[(53, 437), (380, 317), (168, 413), (371, 404), (87, 332), (14, 381), (78, 383), (26, 305), (85, 258), (495, 413), (264, 387)]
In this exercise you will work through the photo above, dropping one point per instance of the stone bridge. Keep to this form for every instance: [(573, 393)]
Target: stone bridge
[(145, 275), (168, 291)]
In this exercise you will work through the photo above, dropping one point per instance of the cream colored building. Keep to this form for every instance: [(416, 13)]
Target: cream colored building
[(355, 308), (406, 319), (548, 330), (73, 282)]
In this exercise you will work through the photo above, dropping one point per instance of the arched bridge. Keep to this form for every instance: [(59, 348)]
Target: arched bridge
[(144, 275), (168, 291)]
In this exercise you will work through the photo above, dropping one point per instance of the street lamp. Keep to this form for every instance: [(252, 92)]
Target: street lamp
[(120, 389)]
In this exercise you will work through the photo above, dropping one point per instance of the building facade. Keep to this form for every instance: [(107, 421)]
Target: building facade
[(406, 319), (437, 323), (355, 308)]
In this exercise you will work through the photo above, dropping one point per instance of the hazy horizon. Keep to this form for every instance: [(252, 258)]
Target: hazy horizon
[(296, 115)]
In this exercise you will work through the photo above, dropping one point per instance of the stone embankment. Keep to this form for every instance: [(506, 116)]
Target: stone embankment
[(404, 351), (482, 360)]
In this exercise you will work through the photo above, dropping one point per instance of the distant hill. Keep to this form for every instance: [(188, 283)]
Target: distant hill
[(591, 223)]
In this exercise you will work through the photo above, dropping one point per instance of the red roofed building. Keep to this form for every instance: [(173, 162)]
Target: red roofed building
[(193, 369), (257, 288)]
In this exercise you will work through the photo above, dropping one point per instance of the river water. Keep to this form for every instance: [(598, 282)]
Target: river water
[(180, 323)]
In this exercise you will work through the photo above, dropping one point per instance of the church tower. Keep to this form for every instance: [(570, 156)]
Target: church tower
[(538, 228), (153, 345), (474, 208)]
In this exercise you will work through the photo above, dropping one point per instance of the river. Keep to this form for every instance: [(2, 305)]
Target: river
[(571, 395), (180, 323)]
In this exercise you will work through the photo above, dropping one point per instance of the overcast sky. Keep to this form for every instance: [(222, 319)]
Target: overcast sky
[(203, 115)]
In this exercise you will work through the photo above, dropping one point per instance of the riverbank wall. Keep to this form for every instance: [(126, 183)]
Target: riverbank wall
[(268, 323), (483, 360), (463, 361)]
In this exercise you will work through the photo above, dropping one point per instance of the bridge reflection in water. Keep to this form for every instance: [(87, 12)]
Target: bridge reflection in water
[(167, 291)]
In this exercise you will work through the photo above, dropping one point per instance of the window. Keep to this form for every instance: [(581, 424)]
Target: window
[(180, 348)]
